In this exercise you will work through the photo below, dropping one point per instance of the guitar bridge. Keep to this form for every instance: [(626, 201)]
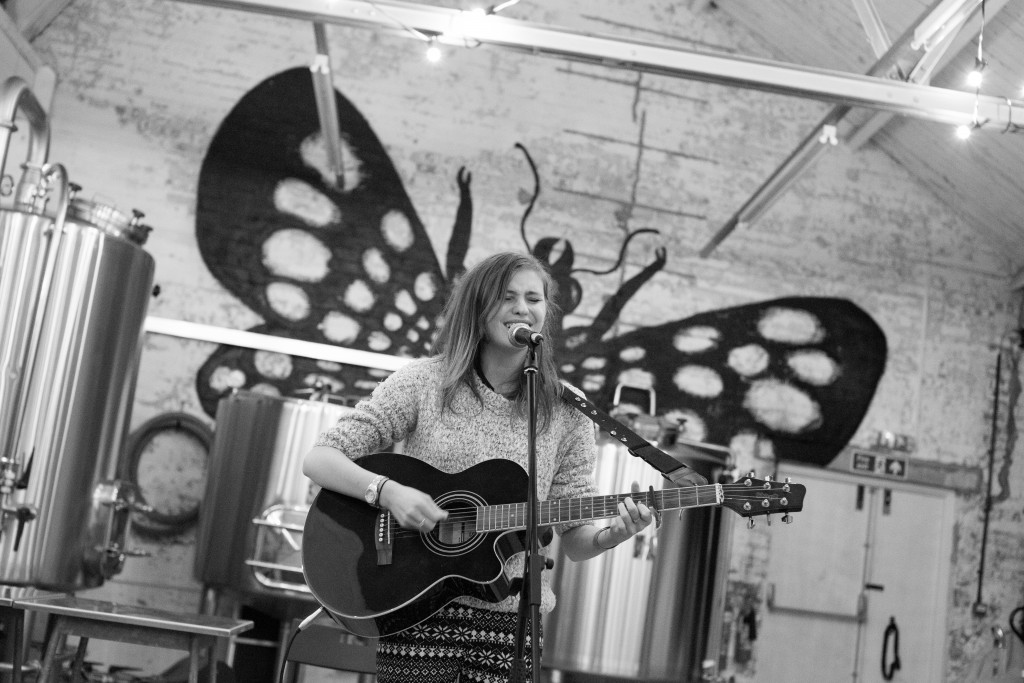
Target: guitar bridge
[(383, 539)]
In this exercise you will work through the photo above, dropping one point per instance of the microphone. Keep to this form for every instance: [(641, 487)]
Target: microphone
[(520, 334)]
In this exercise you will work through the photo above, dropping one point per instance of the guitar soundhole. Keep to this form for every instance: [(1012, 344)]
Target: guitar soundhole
[(456, 535)]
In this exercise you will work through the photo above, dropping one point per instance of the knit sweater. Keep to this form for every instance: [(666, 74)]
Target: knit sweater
[(406, 407)]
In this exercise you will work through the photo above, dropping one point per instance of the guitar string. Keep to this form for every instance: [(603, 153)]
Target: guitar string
[(606, 506), (602, 506), (600, 509)]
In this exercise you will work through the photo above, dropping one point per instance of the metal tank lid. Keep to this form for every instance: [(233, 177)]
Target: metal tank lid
[(107, 218)]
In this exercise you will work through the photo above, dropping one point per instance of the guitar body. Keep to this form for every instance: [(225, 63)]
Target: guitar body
[(426, 571)]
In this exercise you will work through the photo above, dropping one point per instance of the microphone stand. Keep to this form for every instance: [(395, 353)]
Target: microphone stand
[(530, 592)]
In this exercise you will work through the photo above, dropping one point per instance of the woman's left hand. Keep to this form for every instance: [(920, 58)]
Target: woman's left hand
[(633, 518)]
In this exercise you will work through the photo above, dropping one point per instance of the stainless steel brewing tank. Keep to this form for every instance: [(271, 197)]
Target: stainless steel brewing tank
[(256, 498), (24, 241), (651, 608), (78, 399)]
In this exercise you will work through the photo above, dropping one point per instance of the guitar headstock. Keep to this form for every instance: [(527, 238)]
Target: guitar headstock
[(751, 497)]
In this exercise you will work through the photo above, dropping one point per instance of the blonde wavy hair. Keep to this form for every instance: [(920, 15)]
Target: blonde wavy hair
[(464, 320)]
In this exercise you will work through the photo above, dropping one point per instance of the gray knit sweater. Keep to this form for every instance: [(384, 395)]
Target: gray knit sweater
[(406, 407)]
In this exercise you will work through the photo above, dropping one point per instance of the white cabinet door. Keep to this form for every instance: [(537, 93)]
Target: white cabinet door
[(909, 575), (863, 552)]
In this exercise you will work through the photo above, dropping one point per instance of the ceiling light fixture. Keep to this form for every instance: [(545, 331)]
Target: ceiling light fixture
[(433, 52), (964, 131), (975, 77)]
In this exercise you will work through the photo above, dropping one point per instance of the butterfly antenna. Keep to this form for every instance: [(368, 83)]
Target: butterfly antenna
[(533, 199), (622, 253)]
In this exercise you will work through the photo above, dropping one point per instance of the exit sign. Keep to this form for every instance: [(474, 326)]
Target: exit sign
[(878, 464)]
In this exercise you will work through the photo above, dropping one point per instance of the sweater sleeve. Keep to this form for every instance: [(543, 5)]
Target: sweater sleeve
[(382, 419)]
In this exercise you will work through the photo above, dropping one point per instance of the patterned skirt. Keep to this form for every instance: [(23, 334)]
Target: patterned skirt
[(458, 643)]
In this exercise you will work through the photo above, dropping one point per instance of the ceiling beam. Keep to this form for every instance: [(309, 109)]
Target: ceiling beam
[(459, 27), (816, 142)]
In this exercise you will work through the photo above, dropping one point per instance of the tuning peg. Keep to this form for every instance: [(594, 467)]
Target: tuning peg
[(787, 518), (767, 477), (752, 474), (750, 522), (768, 518)]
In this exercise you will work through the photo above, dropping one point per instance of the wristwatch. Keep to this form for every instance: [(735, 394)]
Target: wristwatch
[(373, 490)]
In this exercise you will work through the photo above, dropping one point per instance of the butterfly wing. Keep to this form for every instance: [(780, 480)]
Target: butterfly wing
[(799, 372), (344, 261)]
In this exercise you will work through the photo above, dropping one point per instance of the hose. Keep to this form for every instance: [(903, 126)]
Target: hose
[(163, 523)]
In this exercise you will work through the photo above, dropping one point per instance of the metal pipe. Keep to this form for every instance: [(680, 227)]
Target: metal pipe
[(269, 342), (16, 95), (327, 106), (980, 608)]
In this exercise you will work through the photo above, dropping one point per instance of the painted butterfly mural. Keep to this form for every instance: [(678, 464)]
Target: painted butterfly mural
[(351, 263), (346, 263)]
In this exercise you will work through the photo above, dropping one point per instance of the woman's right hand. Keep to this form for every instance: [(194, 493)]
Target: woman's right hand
[(411, 508)]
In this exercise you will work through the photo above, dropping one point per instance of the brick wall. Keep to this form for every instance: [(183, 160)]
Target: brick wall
[(144, 84)]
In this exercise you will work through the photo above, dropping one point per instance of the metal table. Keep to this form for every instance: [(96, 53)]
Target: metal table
[(13, 620), (85, 618)]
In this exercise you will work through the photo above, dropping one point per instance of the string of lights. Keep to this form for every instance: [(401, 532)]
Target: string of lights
[(974, 80), (934, 34), (456, 36)]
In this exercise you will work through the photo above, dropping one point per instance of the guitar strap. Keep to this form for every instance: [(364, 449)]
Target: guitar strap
[(636, 445)]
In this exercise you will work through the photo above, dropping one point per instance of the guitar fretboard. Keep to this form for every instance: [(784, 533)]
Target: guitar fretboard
[(513, 515)]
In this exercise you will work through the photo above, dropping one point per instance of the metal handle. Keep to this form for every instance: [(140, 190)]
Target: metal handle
[(290, 535), (259, 521), (265, 580)]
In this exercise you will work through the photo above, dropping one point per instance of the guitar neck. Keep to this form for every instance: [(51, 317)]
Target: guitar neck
[(549, 512)]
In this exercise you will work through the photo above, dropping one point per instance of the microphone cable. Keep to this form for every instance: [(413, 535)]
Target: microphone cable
[(291, 640)]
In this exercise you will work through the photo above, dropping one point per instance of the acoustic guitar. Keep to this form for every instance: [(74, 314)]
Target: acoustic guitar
[(376, 578)]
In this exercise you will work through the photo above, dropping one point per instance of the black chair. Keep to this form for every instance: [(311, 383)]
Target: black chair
[(323, 643)]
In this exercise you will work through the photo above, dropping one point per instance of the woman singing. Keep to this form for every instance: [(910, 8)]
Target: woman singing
[(464, 405)]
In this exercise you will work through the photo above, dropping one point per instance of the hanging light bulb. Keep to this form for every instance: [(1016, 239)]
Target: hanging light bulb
[(963, 131), (433, 52), (974, 78)]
